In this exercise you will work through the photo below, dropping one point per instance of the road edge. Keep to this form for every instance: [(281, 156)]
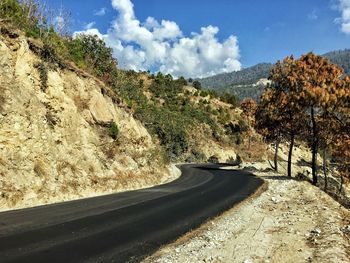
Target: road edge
[(204, 226)]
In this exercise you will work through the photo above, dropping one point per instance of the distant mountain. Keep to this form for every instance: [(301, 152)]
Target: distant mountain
[(250, 82), (340, 58), (243, 77)]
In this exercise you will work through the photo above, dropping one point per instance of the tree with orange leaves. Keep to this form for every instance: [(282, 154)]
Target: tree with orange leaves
[(322, 91), (313, 88), (288, 114)]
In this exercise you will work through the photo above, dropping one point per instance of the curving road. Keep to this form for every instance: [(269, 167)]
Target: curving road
[(122, 227)]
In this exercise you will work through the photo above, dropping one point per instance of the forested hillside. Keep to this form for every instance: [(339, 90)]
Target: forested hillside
[(244, 77)]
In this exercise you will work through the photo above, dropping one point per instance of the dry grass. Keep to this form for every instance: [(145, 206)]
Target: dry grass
[(51, 119), (258, 152), (62, 166), (42, 190), (110, 150), (2, 101), (157, 155), (105, 182), (80, 103), (73, 184), (92, 169), (40, 168), (70, 186), (3, 162), (11, 194)]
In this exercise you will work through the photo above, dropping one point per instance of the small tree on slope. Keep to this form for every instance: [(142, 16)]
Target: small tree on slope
[(249, 108)]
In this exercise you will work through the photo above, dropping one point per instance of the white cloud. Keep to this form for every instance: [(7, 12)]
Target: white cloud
[(101, 12), (90, 31), (344, 20), (162, 46), (151, 22), (89, 25), (167, 30)]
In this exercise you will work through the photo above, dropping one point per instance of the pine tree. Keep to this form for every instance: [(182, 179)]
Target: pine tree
[(291, 115), (269, 121)]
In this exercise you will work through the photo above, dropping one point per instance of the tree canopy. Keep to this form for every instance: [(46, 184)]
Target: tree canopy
[(307, 98)]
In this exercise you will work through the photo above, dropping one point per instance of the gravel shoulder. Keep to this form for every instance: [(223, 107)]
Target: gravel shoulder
[(292, 221)]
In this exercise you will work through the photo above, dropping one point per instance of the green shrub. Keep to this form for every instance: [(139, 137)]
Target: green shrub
[(90, 52), (237, 138), (114, 130), (182, 81), (204, 93), (49, 55), (197, 85), (43, 75), (25, 15), (196, 156), (13, 11), (32, 32), (244, 127), (230, 98)]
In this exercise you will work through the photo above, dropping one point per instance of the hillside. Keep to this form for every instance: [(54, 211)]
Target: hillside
[(56, 143), (245, 83)]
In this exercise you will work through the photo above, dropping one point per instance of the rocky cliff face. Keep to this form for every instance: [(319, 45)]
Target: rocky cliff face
[(54, 141)]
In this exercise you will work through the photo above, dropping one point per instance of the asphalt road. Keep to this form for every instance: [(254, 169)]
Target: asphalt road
[(122, 227)]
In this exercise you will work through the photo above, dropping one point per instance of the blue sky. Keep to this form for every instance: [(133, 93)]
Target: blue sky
[(264, 30)]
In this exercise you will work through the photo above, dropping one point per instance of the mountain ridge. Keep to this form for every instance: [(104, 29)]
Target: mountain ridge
[(245, 83)]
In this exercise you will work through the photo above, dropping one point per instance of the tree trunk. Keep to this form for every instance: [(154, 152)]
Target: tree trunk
[(290, 154), (314, 147), (275, 159), (325, 169)]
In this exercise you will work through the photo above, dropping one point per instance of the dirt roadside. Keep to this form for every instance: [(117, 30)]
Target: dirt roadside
[(291, 221)]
